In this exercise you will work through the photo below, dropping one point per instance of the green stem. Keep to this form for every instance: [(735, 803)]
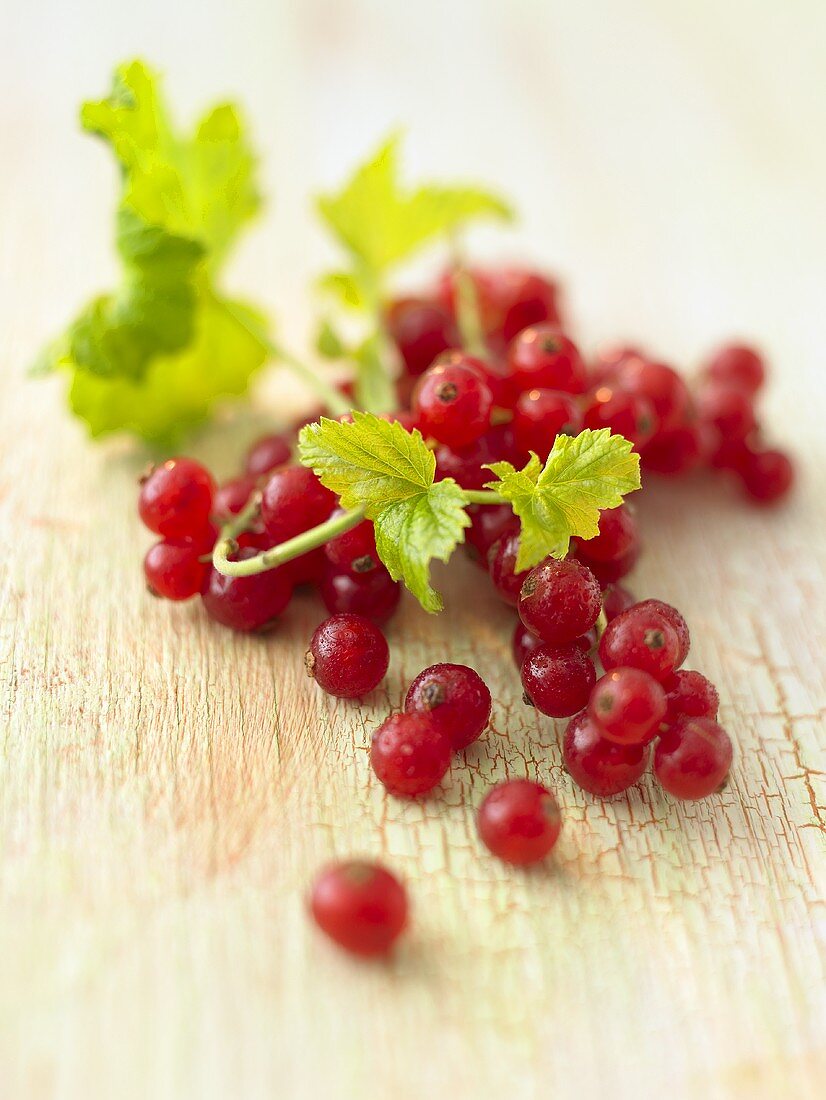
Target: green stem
[(482, 496), (467, 313), (277, 555), (335, 401)]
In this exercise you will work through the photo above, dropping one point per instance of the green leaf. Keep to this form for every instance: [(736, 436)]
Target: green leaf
[(380, 223), (583, 475), (374, 391), (328, 342), (377, 466), (183, 203), (345, 288)]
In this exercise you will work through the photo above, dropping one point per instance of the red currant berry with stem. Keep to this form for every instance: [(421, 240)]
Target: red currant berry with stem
[(409, 754), (175, 498), (690, 693), (293, 501), (540, 357), (692, 758), (676, 620), (600, 767), (267, 454), (452, 403), (488, 522), (659, 384), (729, 411), (457, 700), (348, 656), (560, 600), (231, 497), (540, 416), (519, 821), (421, 330), (375, 595), (767, 476), (353, 551), (626, 414), (502, 567), (641, 638), (523, 643), (616, 598), (627, 705), (467, 464), (617, 536), (248, 604), (558, 680), (737, 365), (674, 452), (361, 906), (173, 569)]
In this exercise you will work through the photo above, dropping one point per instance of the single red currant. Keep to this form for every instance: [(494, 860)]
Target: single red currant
[(375, 595), (558, 680), (617, 536), (457, 700), (737, 365), (676, 620), (353, 551), (231, 496), (451, 401), (467, 465), (659, 384), (627, 705), (502, 567), (628, 414), (267, 454), (560, 600), (601, 767), (421, 330), (616, 599), (728, 409), (519, 821), (674, 452), (409, 754), (361, 906), (641, 638), (174, 570), (690, 693), (249, 604), (175, 498), (540, 357), (487, 524), (693, 757), (293, 501), (348, 656), (524, 642), (767, 476), (540, 416), (609, 572)]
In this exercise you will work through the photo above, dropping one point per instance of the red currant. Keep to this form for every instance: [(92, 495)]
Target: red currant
[(616, 598), (659, 384), (641, 638), (348, 656), (691, 693), (601, 767), (540, 416), (767, 476), (249, 604), (729, 411), (175, 498), (524, 642), (627, 705), (617, 536), (487, 524), (558, 680), (627, 414), (409, 754), (455, 697), (353, 551), (421, 330), (674, 452), (452, 403), (737, 365), (173, 569), (519, 821), (267, 454), (560, 600), (676, 620), (361, 906), (540, 357), (467, 464), (231, 497), (502, 567), (293, 501), (375, 595), (693, 757)]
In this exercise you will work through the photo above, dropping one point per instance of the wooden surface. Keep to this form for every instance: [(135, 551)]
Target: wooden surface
[(167, 789)]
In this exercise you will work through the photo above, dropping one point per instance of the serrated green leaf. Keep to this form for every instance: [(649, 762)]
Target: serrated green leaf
[(583, 475), (183, 203), (378, 467), (380, 223)]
